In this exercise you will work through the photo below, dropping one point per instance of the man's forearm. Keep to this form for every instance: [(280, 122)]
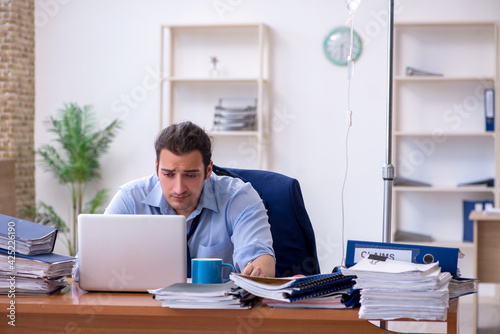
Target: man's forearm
[(263, 266)]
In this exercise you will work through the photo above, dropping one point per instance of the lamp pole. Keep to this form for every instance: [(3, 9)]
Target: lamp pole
[(388, 169)]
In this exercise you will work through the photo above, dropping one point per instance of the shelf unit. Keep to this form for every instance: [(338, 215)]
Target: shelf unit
[(439, 133), (190, 91)]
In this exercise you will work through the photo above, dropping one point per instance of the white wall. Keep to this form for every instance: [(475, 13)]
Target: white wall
[(105, 52)]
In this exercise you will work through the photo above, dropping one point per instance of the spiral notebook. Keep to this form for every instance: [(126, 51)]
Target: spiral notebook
[(294, 288)]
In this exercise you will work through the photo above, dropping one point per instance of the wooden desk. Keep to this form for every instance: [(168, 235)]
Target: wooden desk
[(486, 252), (67, 312)]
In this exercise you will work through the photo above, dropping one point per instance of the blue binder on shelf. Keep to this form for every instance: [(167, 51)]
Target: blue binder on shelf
[(447, 257), (489, 108)]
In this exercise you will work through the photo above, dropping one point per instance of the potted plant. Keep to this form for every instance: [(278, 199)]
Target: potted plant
[(74, 162)]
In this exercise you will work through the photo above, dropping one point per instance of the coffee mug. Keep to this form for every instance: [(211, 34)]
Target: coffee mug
[(208, 271)]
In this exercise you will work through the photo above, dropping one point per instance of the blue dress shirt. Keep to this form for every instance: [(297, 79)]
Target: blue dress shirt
[(234, 225)]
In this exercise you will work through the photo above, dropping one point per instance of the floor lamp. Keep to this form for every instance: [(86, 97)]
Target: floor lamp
[(388, 168)]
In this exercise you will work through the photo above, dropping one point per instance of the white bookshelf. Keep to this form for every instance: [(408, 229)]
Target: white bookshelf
[(190, 91), (439, 132)]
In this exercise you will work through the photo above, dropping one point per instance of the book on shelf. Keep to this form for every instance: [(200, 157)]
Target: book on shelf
[(291, 289), (400, 235), (489, 109), (412, 71), (235, 115), (489, 182), (25, 237), (406, 182)]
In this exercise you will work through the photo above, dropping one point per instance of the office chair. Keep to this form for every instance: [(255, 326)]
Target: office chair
[(293, 236)]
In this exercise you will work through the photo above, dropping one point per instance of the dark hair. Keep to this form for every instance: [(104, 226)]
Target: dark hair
[(183, 138)]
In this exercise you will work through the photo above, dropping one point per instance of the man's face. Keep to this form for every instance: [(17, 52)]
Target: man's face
[(182, 179)]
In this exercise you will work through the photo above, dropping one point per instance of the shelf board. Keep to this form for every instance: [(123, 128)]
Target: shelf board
[(213, 26), (416, 78), (445, 24), (229, 80), (444, 134), (440, 243), (468, 189), (234, 133)]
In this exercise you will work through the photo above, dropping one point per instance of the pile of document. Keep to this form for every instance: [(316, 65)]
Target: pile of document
[(315, 291), (26, 237), (393, 289), (235, 115), (204, 296), (37, 274), (345, 298), (461, 286), (21, 273)]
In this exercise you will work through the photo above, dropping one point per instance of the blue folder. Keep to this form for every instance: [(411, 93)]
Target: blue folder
[(32, 237), (447, 257), (489, 109)]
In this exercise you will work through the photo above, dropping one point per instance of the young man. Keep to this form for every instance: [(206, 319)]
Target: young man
[(226, 217)]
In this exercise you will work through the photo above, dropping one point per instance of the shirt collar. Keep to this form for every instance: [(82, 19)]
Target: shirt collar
[(208, 198)]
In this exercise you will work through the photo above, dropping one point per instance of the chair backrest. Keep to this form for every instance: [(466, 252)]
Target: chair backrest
[(293, 236)]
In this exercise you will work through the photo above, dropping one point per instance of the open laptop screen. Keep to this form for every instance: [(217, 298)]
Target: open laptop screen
[(131, 252)]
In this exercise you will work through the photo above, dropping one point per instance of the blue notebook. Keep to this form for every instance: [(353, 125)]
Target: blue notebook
[(290, 289), (25, 237), (320, 286)]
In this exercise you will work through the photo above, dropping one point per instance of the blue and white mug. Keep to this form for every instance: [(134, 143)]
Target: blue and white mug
[(208, 270)]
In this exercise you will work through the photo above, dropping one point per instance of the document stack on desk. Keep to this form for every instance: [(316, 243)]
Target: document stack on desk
[(315, 291), (26, 237), (27, 264), (461, 286), (203, 296), (392, 289)]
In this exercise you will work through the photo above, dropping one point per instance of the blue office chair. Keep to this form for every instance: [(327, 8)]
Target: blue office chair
[(293, 236)]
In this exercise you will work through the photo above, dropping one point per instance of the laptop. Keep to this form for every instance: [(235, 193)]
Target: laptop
[(131, 252)]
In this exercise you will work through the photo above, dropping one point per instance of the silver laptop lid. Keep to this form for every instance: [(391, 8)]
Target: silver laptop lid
[(131, 252)]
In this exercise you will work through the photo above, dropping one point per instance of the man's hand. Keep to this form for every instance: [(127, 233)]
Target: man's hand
[(263, 266)]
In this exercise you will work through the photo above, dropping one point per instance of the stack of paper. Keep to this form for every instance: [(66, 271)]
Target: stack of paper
[(37, 274), (393, 289), (27, 264), (203, 296), (235, 115), (19, 285), (315, 291), (460, 286), (25, 237), (47, 266), (347, 298)]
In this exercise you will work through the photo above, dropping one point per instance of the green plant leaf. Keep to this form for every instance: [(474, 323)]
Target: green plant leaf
[(97, 202), (74, 161)]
